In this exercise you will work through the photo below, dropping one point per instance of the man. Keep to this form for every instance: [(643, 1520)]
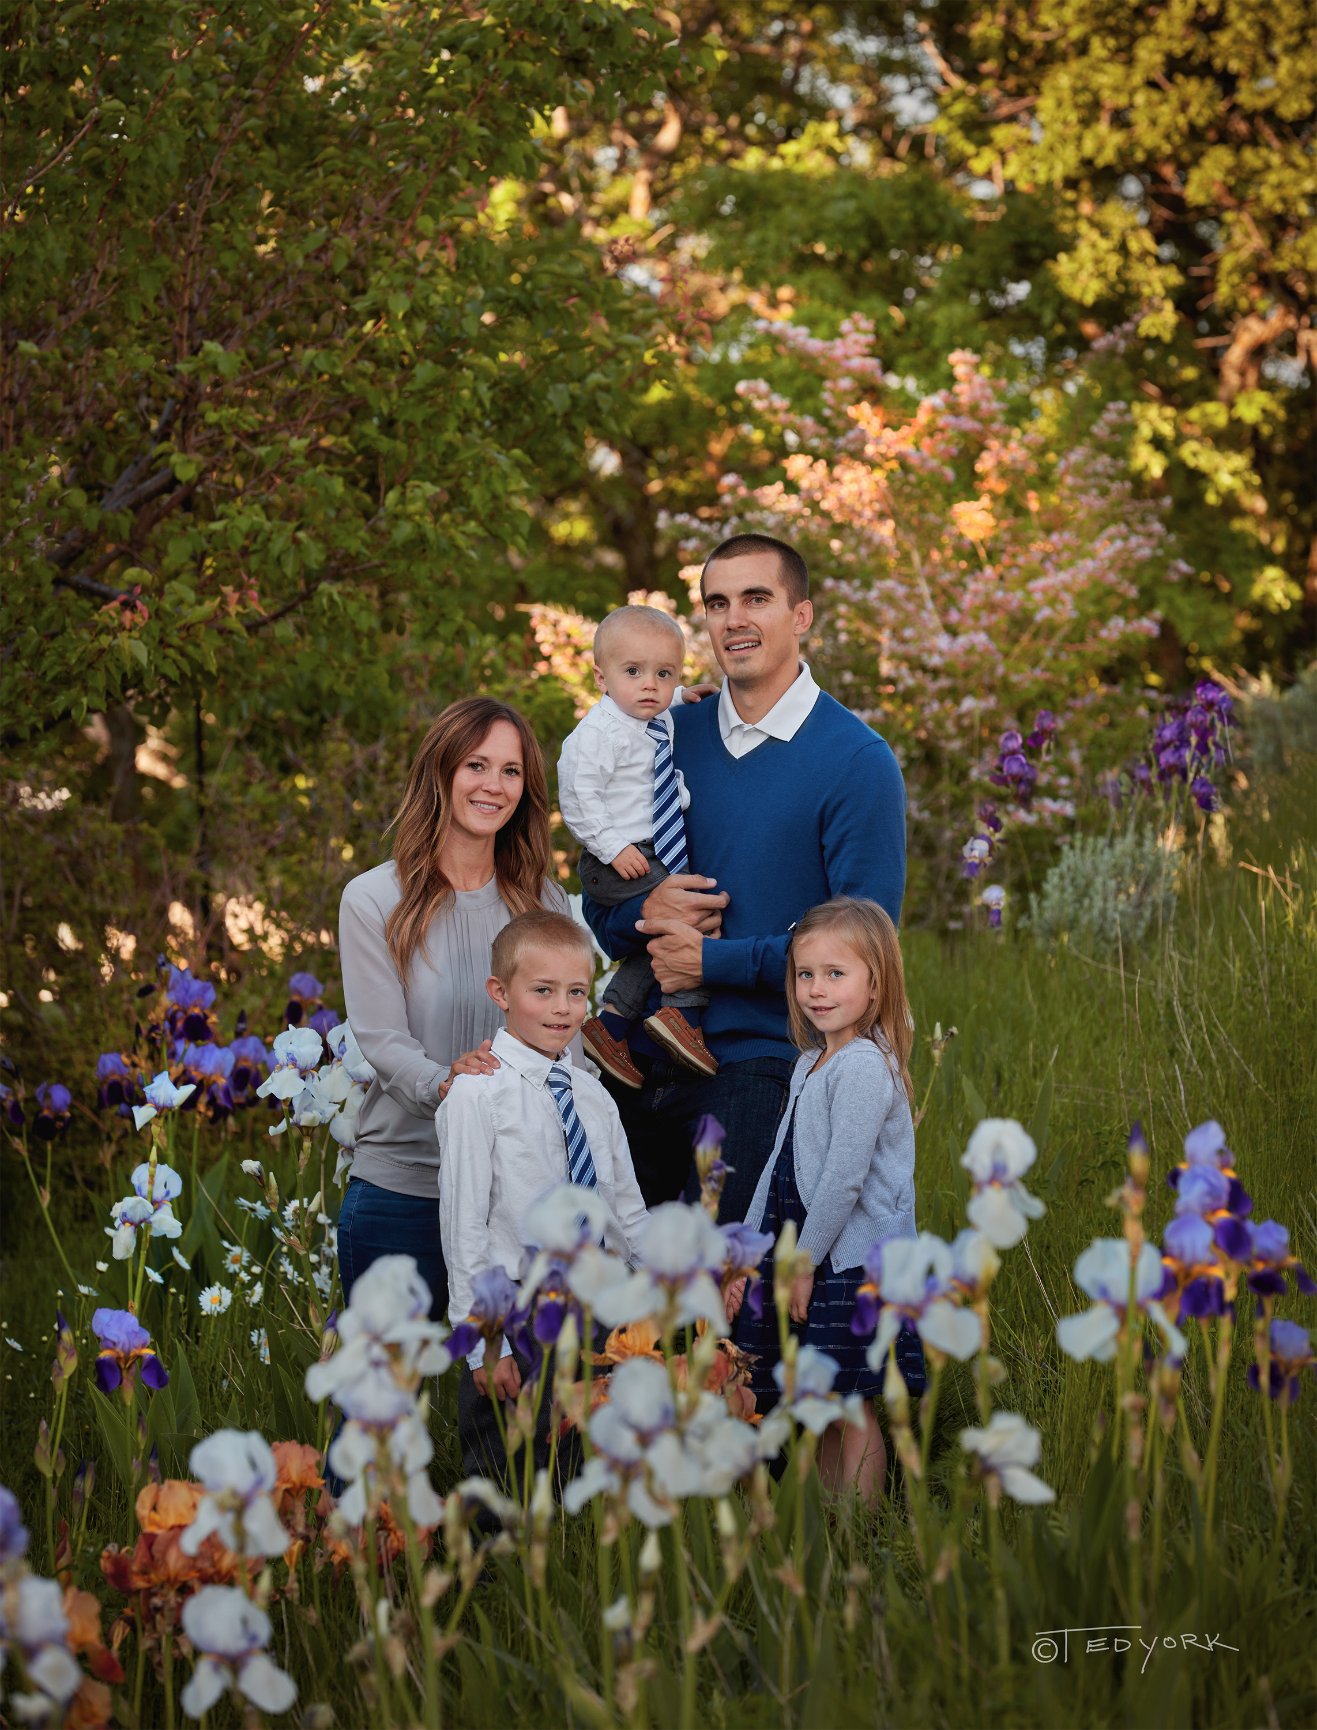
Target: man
[(792, 800)]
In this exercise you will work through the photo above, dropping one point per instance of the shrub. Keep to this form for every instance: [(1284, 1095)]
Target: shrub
[(1105, 891)]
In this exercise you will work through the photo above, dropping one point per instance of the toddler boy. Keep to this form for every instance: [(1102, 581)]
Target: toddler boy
[(623, 798), (508, 1136)]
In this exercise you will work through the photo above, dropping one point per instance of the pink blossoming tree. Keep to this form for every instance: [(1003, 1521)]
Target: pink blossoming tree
[(972, 564)]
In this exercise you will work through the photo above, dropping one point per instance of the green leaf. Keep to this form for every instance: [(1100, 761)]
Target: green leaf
[(977, 1109), (1043, 1106)]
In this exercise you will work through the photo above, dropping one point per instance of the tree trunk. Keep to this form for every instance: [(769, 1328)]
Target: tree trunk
[(125, 789)]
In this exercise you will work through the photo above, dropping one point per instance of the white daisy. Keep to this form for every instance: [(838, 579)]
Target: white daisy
[(215, 1300)]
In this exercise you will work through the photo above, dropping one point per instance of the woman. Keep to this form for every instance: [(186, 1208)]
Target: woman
[(471, 850)]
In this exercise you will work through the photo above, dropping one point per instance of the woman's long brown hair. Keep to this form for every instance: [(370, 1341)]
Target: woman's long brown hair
[(866, 928), (522, 855)]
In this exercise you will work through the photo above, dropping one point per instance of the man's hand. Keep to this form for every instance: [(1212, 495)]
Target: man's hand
[(687, 899), (630, 863), (507, 1380), (677, 952), (696, 693), (481, 1061), (734, 1298)]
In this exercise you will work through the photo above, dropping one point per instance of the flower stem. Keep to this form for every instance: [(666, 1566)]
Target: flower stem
[(1218, 1419), (45, 1214)]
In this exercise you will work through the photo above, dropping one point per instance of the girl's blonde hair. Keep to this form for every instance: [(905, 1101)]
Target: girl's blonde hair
[(864, 927), (522, 853)]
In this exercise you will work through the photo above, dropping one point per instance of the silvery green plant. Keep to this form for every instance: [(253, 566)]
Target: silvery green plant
[(1105, 892)]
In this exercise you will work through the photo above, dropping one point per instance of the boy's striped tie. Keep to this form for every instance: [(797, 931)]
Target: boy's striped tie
[(669, 828), (580, 1161)]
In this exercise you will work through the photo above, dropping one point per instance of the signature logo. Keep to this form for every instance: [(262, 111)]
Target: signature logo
[(1049, 1644)]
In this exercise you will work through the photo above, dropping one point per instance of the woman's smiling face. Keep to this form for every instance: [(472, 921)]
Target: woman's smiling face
[(488, 785)]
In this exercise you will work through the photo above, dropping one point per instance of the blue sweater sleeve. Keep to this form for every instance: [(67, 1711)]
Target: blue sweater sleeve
[(615, 927), (864, 829), (863, 841)]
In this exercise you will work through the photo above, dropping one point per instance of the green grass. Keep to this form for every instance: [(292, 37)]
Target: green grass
[(1213, 1017)]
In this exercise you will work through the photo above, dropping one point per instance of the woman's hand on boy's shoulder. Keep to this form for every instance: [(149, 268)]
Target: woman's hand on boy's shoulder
[(481, 1061)]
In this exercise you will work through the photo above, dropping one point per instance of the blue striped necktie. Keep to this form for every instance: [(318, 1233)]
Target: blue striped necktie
[(669, 828), (580, 1161)]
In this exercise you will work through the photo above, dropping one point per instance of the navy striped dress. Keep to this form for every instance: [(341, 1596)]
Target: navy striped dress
[(831, 1307)]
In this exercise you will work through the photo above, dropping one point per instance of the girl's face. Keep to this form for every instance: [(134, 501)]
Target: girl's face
[(833, 986), (488, 785)]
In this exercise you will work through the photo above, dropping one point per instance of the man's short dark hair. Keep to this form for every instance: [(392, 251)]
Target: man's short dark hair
[(793, 569)]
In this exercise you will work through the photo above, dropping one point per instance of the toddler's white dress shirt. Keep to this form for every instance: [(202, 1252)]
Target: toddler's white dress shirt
[(501, 1147), (606, 779)]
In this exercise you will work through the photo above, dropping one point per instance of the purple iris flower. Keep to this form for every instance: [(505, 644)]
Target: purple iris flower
[(531, 1328), (1203, 1297), (208, 1062), (1011, 741), (10, 1109), (304, 993), (192, 1000), (1205, 794), (119, 1330), (1206, 1144), (1271, 1258), (13, 1533), (125, 1345), (1202, 1189), (55, 1102), (324, 1020), (1014, 766), (1239, 1201), (251, 1061), (493, 1302), (1188, 1240), (1141, 775), (709, 1132), (989, 818), (120, 1088), (1290, 1352), (744, 1249), (1233, 1237), (867, 1300)]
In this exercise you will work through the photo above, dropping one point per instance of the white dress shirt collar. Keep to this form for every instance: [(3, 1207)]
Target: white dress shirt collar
[(617, 712), (783, 721), (531, 1065)]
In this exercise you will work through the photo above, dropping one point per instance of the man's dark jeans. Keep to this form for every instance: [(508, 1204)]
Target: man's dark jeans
[(747, 1098)]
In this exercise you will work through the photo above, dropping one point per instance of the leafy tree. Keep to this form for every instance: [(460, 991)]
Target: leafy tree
[(1174, 146), (281, 358)]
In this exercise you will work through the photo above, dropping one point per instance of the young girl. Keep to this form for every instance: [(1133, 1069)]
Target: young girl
[(843, 1163)]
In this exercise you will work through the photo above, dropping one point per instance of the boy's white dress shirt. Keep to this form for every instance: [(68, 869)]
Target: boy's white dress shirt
[(606, 779), (501, 1147)]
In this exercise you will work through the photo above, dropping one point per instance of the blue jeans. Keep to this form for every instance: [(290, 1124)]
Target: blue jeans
[(747, 1098), (373, 1222)]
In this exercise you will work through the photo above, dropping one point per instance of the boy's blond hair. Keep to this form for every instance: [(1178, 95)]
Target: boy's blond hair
[(866, 928), (544, 930)]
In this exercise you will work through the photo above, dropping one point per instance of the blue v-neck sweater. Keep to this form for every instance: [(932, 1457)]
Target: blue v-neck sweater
[(791, 824)]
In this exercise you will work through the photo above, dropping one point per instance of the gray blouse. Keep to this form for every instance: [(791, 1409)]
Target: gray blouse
[(412, 1033)]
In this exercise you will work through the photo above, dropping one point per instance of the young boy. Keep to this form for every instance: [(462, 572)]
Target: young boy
[(508, 1136), (623, 799)]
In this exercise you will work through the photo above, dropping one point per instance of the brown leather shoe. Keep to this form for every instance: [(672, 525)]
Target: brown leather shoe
[(610, 1054), (670, 1029)]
